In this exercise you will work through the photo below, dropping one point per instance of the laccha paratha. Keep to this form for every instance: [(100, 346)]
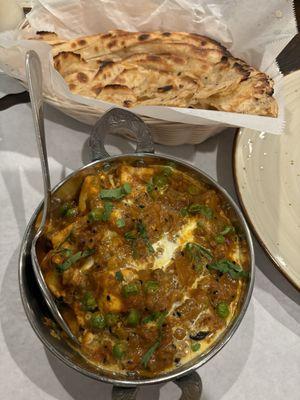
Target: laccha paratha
[(161, 68)]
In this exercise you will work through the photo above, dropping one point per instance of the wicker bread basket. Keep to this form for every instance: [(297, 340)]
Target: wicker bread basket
[(163, 132)]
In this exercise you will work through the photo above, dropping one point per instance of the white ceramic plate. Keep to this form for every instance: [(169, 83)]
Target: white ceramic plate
[(267, 176)]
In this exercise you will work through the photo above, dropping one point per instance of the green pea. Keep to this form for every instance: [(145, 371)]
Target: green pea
[(193, 190), (120, 223), (89, 302), (64, 208), (97, 321), (220, 239), (151, 286), (71, 212), (130, 289), (118, 351), (95, 214), (223, 310), (112, 319), (133, 318), (195, 346)]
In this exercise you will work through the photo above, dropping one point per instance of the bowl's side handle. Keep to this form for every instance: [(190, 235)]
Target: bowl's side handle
[(119, 121), (124, 393), (190, 385)]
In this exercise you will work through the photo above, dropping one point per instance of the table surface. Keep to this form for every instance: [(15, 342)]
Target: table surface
[(262, 360)]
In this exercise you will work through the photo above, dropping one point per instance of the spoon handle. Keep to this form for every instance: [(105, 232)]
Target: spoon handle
[(35, 86)]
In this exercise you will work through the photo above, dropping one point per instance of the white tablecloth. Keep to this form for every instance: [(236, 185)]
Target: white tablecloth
[(262, 360)]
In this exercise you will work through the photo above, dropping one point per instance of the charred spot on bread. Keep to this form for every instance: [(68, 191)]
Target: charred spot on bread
[(115, 86), (107, 35), (46, 33), (242, 69), (127, 103), (97, 89), (153, 57), (224, 60), (178, 60), (164, 89), (111, 43), (82, 77), (143, 36), (104, 63)]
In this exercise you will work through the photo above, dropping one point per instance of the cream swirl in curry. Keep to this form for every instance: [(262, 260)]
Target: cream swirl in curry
[(147, 265)]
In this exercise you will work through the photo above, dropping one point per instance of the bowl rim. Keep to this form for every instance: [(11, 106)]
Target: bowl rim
[(173, 374)]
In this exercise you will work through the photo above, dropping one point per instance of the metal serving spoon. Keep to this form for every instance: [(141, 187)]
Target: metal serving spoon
[(35, 86)]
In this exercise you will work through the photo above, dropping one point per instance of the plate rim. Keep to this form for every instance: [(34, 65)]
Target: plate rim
[(249, 219)]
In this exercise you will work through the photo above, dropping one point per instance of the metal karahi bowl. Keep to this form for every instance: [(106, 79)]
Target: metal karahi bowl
[(116, 121)]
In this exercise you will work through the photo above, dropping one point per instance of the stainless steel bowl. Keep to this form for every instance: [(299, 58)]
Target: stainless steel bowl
[(116, 121)]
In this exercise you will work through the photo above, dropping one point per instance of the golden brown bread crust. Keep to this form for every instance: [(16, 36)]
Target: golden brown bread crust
[(162, 68), (96, 46)]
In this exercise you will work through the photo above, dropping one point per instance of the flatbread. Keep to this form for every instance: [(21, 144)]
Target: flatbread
[(162, 68), (252, 96)]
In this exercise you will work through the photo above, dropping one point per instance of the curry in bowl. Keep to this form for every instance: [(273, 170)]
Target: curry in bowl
[(147, 265)]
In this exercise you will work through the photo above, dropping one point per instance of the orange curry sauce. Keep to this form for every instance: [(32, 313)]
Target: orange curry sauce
[(147, 266)]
